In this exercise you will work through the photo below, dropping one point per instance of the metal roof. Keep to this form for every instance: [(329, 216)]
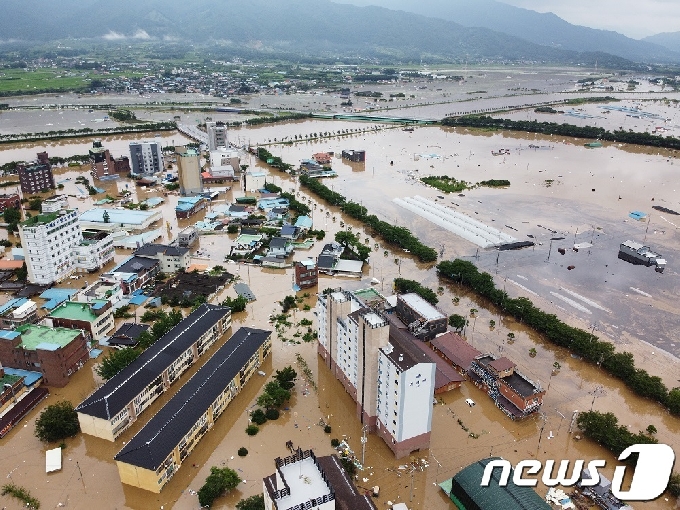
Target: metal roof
[(111, 398), (466, 489), (156, 440)]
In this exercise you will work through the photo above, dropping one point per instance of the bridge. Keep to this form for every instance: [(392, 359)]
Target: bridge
[(374, 118)]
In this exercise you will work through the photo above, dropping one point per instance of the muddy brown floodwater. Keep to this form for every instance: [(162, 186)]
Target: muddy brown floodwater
[(395, 159)]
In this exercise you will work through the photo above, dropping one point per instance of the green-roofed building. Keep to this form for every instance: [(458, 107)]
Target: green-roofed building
[(54, 352), (95, 317), (467, 493)]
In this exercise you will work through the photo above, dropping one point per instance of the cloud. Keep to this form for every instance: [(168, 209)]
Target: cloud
[(114, 36), (141, 34)]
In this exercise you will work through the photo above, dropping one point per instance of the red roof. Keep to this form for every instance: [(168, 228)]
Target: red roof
[(456, 349), (502, 364)]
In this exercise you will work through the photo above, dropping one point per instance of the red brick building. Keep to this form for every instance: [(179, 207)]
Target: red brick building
[(10, 201), (306, 274), (56, 353)]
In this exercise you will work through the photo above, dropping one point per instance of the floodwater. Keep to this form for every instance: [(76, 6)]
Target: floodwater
[(630, 319)]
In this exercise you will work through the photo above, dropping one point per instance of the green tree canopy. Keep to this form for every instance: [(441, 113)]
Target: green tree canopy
[(58, 421), (116, 361), (457, 322), (219, 481), (252, 503), (286, 377)]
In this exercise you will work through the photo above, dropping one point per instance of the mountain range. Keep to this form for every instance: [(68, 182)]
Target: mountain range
[(427, 30)]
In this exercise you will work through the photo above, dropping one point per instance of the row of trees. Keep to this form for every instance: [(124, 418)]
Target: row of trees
[(273, 161), (116, 361), (579, 341), (391, 234), (76, 133), (351, 242), (604, 429), (404, 286), (554, 128)]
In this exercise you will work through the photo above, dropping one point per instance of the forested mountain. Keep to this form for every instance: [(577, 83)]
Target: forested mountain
[(295, 27)]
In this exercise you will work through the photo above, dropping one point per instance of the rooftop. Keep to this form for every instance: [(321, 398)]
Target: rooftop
[(456, 349), (40, 219), (420, 306), (305, 482), (76, 311), (125, 216), (135, 264), (108, 400), (158, 438), (49, 339)]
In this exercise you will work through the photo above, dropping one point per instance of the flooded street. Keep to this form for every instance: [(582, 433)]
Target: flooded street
[(558, 188)]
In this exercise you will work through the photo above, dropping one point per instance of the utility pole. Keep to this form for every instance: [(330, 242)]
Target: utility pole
[(364, 440), (540, 436)]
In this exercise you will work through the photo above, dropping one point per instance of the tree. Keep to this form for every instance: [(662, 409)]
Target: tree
[(116, 361), (252, 430), (237, 305), (286, 377), (106, 217), (219, 480), (674, 485), (345, 238), (651, 430), (258, 416), (58, 421), (532, 352), (252, 503), (457, 322), (35, 203), (243, 451), (22, 273)]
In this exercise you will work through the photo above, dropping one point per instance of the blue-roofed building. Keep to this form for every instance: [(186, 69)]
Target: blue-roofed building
[(266, 204), (304, 222), (188, 206)]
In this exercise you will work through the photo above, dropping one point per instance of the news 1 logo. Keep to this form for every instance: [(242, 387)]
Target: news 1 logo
[(652, 472)]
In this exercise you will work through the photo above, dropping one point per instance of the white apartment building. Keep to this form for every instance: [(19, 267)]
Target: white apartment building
[(217, 135), (94, 251), (356, 344), (146, 158), (404, 405), (48, 241), (189, 172)]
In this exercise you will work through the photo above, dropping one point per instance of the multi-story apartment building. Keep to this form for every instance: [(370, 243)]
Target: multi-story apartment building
[(392, 387), (36, 177), (54, 352), (189, 172), (303, 480), (153, 456), (117, 404), (104, 165), (146, 158), (94, 251), (48, 241), (217, 135)]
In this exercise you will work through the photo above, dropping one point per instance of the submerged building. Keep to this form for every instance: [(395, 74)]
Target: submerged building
[(153, 456), (303, 480), (113, 407)]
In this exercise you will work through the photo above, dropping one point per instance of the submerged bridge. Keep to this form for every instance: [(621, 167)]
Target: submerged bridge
[(373, 118)]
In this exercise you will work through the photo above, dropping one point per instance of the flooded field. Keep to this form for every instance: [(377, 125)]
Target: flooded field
[(551, 194)]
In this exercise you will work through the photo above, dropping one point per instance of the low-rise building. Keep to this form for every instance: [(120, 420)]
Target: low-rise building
[(114, 406), (304, 480), (187, 237), (422, 318), (54, 352), (54, 204), (171, 258), (455, 350), (306, 274), (12, 201), (188, 206), (25, 313), (100, 291), (127, 334), (329, 262), (133, 273), (279, 247), (95, 317), (514, 393), (153, 456), (94, 250), (254, 180), (354, 156)]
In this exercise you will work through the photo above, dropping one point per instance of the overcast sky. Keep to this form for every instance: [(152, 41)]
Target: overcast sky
[(634, 18)]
